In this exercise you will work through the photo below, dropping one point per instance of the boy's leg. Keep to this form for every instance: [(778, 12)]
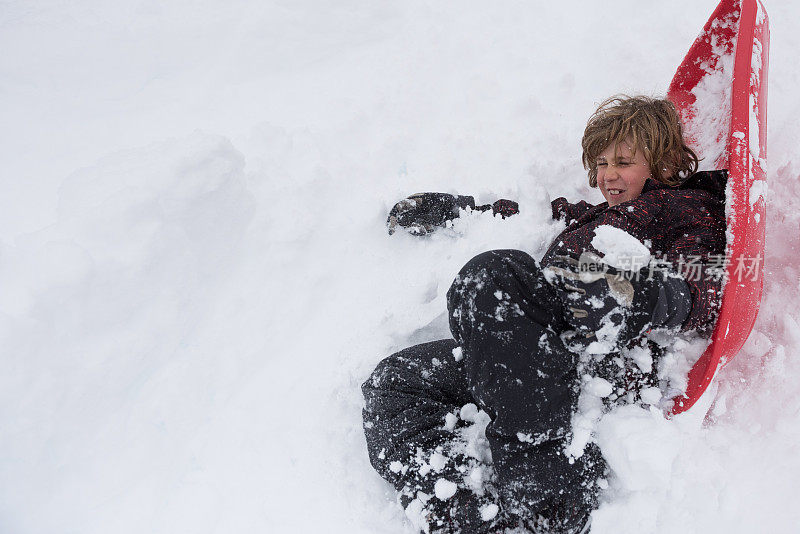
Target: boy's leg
[(506, 318), (413, 442)]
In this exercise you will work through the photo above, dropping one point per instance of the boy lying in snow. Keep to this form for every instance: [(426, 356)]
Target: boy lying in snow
[(525, 332)]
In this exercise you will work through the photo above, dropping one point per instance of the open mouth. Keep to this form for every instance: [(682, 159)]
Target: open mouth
[(615, 192)]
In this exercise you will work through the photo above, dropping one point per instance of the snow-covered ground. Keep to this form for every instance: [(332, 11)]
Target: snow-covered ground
[(195, 276)]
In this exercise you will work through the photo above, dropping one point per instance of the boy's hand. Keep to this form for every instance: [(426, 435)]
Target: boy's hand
[(602, 303)]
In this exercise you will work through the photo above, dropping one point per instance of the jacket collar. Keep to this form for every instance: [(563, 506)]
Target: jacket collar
[(713, 182)]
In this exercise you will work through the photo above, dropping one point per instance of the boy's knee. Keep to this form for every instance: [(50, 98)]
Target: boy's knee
[(483, 275), (386, 377), (406, 369), (379, 376), (494, 261)]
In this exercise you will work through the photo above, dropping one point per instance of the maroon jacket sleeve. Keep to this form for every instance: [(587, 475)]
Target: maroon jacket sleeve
[(565, 210), (574, 241), (693, 254)]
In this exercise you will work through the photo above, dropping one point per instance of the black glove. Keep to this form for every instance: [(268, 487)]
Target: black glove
[(611, 306), (423, 213)]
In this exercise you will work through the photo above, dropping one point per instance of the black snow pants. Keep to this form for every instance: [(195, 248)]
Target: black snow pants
[(508, 360)]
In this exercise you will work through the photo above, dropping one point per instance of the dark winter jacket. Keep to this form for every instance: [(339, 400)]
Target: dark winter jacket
[(685, 225)]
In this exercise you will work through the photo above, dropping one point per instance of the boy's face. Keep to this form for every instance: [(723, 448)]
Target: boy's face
[(621, 176)]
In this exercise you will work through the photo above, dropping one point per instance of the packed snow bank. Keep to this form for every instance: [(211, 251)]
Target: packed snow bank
[(186, 334)]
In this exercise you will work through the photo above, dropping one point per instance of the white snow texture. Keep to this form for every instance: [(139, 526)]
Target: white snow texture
[(196, 277)]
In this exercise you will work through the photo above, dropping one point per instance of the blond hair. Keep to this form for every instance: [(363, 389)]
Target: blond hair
[(654, 126)]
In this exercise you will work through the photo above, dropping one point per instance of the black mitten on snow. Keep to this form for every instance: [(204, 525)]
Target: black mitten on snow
[(602, 303), (423, 213)]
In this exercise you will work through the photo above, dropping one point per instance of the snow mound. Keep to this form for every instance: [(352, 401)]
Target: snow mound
[(620, 249), (186, 324)]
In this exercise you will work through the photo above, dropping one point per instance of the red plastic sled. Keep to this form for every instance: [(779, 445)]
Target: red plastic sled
[(720, 90)]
